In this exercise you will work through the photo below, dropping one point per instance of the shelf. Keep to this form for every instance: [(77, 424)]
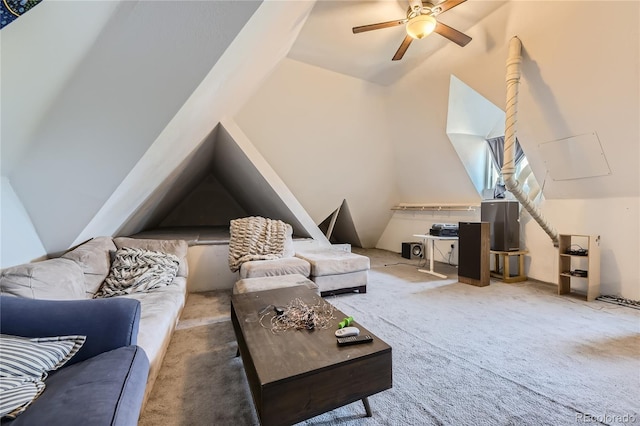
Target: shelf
[(564, 274), (571, 262), (434, 207)]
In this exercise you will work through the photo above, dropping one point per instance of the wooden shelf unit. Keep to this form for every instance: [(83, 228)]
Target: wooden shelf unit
[(505, 275), (568, 263)]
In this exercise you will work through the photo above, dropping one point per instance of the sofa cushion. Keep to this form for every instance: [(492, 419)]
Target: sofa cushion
[(104, 390), (94, 258), (275, 267), (138, 270), (248, 285), (25, 363), (331, 262), (176, 247), (53, 279), (161, 310), (351, 280)]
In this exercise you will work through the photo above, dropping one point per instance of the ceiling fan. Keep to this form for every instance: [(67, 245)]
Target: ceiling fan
[(420, 22)]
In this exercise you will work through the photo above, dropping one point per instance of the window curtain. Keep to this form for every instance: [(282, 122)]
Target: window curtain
[(496, 147)]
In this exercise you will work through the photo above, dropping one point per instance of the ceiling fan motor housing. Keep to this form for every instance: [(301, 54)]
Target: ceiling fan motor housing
[(427, 8)]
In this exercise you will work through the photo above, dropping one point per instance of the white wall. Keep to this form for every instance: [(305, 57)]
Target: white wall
[(326, 136), (615, 220), (404, 224), (577, 78), (574, 80), (19, 242)]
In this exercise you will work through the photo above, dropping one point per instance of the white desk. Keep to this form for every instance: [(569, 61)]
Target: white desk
[(432, 239)]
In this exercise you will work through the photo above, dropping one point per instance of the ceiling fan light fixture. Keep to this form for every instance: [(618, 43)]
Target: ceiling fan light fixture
[(421, 26)]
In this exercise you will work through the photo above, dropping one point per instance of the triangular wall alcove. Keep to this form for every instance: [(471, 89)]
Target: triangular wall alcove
[(338, 227), (224, 178)]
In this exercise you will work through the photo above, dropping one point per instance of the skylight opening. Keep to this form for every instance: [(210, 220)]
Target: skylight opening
[(472, 120)]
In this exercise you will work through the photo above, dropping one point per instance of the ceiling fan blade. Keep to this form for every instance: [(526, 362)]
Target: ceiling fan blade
[(403, 48), (449, 4), (379, 26), (452, 34)]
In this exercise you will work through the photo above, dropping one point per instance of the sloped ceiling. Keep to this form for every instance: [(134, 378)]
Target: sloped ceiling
[(149, 81), (327, 40), (113, 104), (236, 75), (31, 81), (570, 80), (562, 94)]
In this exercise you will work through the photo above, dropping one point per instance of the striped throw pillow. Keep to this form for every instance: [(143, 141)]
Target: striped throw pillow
[(25, 363), (16, 393)]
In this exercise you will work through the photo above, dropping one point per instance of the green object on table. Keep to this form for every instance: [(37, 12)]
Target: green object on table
[(345, 322)]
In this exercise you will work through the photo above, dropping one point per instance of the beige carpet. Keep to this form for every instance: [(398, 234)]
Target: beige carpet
[(498, 355)]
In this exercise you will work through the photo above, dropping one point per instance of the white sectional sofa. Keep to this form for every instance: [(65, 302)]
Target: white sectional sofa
[(261, 248), (79, 274)]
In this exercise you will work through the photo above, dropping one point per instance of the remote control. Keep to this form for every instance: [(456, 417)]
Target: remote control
[(354, 340), (347, 331)]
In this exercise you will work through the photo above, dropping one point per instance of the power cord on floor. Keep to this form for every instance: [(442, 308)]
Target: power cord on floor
[(635, 304), (403, 263)]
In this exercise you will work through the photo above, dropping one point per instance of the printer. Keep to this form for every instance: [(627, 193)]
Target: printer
[(444, 230)]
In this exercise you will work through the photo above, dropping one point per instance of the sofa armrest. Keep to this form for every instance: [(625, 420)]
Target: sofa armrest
[(107, 323)]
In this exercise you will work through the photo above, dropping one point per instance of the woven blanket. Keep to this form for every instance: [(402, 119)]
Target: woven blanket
[(256, 238)]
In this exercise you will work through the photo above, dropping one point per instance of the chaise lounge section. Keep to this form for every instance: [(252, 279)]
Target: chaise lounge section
[(337, 271), (261, 249)]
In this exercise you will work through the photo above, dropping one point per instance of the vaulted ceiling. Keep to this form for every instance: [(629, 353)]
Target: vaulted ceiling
[(327, 40)]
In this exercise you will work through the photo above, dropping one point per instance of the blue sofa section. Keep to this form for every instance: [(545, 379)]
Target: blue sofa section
[(104, 383)]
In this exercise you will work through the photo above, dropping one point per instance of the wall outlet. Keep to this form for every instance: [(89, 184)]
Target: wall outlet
[(453, 246)]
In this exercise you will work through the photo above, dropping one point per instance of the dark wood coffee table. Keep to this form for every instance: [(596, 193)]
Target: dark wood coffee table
[(298, 374)]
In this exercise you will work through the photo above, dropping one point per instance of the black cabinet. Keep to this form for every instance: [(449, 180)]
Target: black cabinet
[(473, 253)]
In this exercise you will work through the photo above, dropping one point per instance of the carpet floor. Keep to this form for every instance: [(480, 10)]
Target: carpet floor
[(506, 354)]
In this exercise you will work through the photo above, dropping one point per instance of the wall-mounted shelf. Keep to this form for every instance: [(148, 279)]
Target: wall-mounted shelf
[(435, 207), (572, 266)]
